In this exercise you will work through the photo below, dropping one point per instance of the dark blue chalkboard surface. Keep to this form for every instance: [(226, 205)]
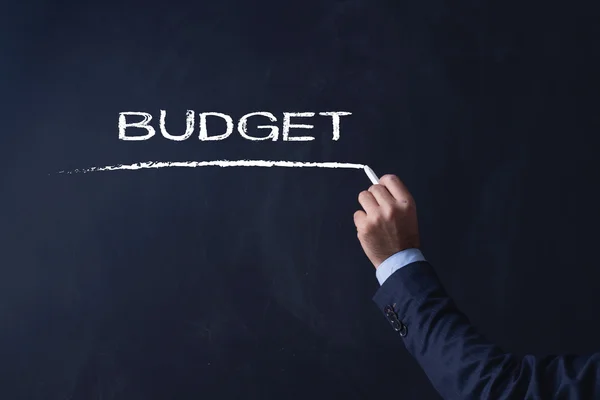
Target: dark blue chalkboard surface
[(250, 283)]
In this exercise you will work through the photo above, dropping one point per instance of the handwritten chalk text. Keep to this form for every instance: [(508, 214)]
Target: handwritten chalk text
[(242, 125)]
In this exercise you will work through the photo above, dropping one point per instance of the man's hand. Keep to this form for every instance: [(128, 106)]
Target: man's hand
[(388, 223)]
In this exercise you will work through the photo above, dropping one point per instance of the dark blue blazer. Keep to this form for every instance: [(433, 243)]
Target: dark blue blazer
[(461, 363)]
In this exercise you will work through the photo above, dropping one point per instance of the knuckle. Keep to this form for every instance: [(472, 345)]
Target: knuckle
[(368, 227), (377, 219), (408, 204), (390, 178), (388, 213), (376, 188)]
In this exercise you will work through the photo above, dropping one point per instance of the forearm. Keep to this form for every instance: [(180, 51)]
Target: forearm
[(462, 364)]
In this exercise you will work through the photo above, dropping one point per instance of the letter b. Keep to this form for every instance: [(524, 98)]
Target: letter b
[(142, 124)]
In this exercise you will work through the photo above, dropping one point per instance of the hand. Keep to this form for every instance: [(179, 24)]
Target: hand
[(388, 223)]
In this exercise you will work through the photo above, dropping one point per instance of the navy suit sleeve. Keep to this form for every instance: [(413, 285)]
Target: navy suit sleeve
[(461, 363)]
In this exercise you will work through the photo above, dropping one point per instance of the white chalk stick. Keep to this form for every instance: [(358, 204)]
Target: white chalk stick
[(371, 174)]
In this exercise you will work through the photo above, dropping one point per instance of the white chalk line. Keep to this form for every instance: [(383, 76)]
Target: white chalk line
[(216, 163)]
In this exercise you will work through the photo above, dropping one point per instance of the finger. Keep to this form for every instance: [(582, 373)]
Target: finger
[(368, 202), (359, 217), (396, 187), (382, 195)]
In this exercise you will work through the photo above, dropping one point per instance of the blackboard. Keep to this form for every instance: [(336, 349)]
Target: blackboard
[(228, 283)]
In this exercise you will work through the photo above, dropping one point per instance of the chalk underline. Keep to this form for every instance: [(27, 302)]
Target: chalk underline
[(216, 163)]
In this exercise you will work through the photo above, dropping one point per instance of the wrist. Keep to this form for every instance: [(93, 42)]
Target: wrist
[(397, 261)]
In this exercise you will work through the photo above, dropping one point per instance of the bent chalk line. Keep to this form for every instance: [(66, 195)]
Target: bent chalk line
[(216, 163)]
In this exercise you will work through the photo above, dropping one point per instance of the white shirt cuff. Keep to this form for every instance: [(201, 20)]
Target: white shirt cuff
[(397, 261)]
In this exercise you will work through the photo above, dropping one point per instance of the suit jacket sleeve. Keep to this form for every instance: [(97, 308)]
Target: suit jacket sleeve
[(462, 364)]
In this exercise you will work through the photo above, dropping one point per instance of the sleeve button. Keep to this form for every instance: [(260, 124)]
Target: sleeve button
[(396, 323), (403, 330)]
